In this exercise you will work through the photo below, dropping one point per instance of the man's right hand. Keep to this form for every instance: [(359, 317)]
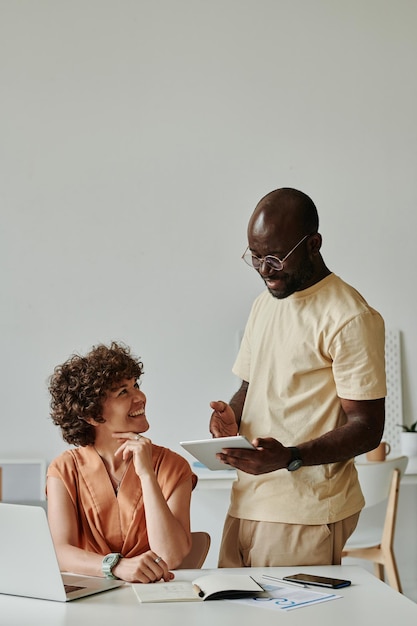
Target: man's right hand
[(223, 420)]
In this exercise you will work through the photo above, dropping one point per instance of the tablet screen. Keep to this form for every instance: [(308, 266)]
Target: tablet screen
[(205, 450)]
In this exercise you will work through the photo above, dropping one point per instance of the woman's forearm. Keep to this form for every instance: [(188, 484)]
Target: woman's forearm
[(168, 535), (73, 559)]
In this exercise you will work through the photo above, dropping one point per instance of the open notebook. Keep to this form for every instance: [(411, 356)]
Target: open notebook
[(29, 563)]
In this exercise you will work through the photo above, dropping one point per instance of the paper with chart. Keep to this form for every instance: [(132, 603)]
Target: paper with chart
[(279, 597)]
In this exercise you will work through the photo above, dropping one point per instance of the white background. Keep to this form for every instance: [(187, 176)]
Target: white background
[(136, 137)]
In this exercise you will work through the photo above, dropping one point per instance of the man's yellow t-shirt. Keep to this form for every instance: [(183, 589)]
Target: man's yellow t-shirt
[(300, 355)]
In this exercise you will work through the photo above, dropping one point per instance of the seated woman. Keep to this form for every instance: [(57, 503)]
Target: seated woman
[(118, 505)]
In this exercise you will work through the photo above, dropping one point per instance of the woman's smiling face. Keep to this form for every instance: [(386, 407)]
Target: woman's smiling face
[(124, 408)]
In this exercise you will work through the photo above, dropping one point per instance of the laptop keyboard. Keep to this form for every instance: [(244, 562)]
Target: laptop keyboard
[(70, 588)]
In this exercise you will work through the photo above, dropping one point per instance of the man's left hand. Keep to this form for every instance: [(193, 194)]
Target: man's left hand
[(270, 455)]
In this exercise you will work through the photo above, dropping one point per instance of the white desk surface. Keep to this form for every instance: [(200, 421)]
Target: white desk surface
[(366, 601)]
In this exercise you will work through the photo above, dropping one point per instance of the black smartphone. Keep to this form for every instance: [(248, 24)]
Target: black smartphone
[(319, 581)]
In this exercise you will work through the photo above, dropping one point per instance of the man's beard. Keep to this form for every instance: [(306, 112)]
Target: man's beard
[(296, 281)]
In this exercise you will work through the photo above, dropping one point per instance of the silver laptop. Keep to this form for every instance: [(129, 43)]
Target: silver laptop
[(29, 566)]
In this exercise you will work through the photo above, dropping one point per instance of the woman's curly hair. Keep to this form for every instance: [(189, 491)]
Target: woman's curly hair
[(79, 387)]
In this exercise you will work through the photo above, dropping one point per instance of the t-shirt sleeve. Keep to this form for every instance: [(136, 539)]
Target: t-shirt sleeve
[(358, 352), (242, 364)]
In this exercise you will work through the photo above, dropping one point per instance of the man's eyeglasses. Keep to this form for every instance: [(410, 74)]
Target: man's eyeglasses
[(273, 261)]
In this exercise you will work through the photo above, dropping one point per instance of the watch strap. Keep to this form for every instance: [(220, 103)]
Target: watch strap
[(296, 461)]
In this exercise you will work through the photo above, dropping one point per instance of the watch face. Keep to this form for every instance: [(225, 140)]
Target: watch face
[(294, 465), (109, 559), (108, 562)]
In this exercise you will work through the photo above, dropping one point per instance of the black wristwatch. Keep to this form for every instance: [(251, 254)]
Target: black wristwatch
[(296, 461)]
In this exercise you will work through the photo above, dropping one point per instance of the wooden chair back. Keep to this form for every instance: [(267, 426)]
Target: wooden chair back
[(379, 482), (199, 550)]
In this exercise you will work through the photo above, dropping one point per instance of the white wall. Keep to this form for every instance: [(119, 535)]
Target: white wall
[(136, 137)]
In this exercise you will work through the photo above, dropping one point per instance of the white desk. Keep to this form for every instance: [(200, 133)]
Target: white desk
[(367, 601)]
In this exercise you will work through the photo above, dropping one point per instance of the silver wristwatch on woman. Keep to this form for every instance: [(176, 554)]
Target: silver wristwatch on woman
[(110, 561)]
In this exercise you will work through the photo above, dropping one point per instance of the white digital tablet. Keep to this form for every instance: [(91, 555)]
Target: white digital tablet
[(205, 450)]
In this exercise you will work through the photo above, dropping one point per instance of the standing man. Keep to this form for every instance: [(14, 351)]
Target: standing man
[(312, 397)]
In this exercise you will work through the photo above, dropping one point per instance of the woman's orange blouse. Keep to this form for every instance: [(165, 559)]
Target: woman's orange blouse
[(110, 522)]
